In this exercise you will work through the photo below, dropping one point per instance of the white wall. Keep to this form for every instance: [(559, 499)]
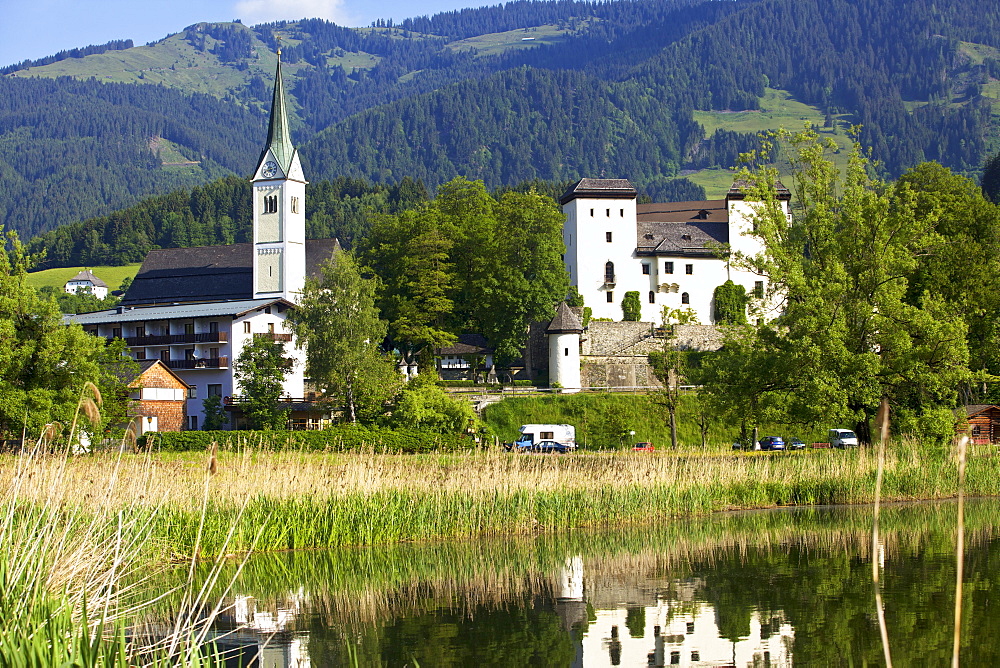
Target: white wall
[(564, 360)]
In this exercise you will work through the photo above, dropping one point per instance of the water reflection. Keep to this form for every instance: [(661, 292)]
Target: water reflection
[(756, 589)]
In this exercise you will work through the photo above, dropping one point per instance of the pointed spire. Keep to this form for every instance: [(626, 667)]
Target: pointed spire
[(279, 140)]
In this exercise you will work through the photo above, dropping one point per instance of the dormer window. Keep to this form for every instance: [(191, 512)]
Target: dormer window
[(686, 237)]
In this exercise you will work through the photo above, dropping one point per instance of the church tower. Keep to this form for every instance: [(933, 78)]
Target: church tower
[(279, 204)]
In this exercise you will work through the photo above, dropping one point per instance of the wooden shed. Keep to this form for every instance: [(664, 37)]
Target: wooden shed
[(983, 423)]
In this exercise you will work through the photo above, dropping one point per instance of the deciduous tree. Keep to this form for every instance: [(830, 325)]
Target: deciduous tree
[(339, 325), (260, 371)]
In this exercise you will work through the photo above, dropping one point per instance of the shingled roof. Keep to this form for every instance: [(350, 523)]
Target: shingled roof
[(565, 321), (208, 273), (600, 188)]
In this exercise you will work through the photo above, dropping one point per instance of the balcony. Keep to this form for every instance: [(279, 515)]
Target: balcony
[(273, 336), (171, 339), (205, 363), (609, 280)]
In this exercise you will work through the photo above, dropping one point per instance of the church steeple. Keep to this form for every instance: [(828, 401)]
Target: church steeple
[(279, 140), (279, 223)]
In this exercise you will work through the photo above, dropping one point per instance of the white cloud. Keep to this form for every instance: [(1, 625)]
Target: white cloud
[(265, 11)]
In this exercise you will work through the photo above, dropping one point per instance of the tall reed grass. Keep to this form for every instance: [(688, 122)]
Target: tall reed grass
[(289, 500), (74, 567)]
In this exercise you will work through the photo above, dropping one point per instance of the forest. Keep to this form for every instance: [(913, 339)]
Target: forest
[(607, 89)]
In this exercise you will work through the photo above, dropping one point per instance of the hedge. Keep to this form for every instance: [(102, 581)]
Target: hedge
[(334, 439)]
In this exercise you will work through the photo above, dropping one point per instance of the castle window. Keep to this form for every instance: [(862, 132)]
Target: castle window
[(689, 269), (607, 212), (609, 272), (652, 297), (295, 205), (758, 289), (645, 269), (591, 213), (685, 299), (668, 267), (621, 212), (565, 352), (607, 237), (611, 296)]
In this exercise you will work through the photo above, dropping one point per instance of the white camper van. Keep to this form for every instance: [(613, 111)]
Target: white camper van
[(843, 438), (563, 434)]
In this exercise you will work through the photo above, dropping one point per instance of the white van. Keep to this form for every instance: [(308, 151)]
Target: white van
[(563, 434), (843, 438)]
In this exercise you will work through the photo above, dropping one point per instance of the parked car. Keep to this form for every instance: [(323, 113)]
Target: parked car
[(643, 447), (843, 438), (543, 447), (741, 445), (772, 443), (796, 444)]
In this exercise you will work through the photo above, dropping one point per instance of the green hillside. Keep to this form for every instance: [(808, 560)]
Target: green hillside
[(57, 278)]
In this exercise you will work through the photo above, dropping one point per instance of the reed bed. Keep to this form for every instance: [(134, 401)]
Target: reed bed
[(291, 500)]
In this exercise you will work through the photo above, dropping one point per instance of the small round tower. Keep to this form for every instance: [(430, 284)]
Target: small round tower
[(564, 349)]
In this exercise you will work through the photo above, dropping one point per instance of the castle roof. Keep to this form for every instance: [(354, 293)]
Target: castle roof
[(740, 186), (208, 273), (565, 321), (88, 275), (601, 189)]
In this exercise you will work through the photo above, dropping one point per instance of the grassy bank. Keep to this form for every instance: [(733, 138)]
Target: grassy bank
[(290, 500), (601, 420)]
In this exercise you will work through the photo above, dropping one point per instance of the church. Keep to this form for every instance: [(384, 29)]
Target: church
[(195, 309)]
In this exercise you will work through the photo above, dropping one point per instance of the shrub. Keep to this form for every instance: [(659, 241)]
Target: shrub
[(730, 304), (335, 439), (631, 307)]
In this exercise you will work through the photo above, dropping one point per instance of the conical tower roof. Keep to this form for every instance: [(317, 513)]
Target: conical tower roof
[(565, 321), (279, 140)]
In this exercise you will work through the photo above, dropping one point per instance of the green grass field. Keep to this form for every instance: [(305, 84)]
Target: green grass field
[(777, 110), (498, 42), (113, 276)]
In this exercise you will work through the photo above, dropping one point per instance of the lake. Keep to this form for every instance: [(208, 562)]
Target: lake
[(766, 588)]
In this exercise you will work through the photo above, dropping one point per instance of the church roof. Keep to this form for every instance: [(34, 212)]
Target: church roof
[(88, 275), (565, 321), (208, 273), (279, 139), (600, 188)]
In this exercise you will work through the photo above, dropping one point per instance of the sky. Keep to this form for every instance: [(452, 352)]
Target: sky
[(31, 29)]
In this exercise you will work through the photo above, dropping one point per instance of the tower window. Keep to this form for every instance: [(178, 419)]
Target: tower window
[(621, 212), (689, 269), (565, 352), (591, 213), (652, 297), (611, 296), (685, 299), (645, 269), (607, 237), (295, 205), (607, 212), (668, 267)]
